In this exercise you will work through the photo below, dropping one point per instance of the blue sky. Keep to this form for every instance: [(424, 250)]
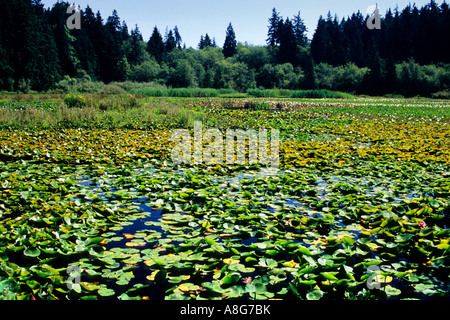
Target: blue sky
[(249, 17)]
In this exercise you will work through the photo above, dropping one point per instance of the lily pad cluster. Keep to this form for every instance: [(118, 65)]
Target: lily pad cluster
[(358, 210)]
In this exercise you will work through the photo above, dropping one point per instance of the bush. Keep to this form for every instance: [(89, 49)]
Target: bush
[(145, 72), (445, 94), (75, 101), (113, 88), (118, 102), (256, 105), (414, 79), (67, 84), (343, 78)]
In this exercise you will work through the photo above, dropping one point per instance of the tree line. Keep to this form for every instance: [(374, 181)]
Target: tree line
[(408, 56)]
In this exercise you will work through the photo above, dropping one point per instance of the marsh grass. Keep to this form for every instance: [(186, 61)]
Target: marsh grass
[(99, 111), (280, 93), (179, 92)]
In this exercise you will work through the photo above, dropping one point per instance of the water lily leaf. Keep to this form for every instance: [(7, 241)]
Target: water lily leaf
[(391, 291), (32, 252), (268, 262), (403, 237), (230, 261), (106, 292), (210, 242), (251, 260), (308, 282), (316, 294), (304, 250), (330, 276), (188, 287), (179, 279), (213, 286), (231, 278), (382, 279)]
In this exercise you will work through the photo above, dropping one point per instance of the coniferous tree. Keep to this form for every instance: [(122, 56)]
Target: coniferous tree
[(111, 48), (274, 25), (201, 44), (352, 33), (320, 42), (230, 45), (288, 44), (178, 38), (155, 46), (207, 42), (136, 52), (84, 44), (6, 65), (170, 42), (31, 45), (64, 39), (300, 30)]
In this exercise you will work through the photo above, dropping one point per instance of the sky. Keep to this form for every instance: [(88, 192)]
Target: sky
[(248, 17)]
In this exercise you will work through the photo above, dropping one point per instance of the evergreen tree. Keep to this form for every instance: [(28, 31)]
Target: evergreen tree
[(6, 64), (155, 46), (110, 46), (201, 44), (300, 30), (273, 33), (288, 45), (136, 52), (178, 38), (64, 39), (113, 23), (206, 42), (170, 42), (320, 42), (84, 44), (230, 45), (352, 33), (30, 41)]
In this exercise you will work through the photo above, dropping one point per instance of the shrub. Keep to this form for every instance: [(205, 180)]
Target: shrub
[(255, 105), (67, 84), (145, 72), (445, 94), (113, 89), (75, 101), (118, 102), (24, 85)]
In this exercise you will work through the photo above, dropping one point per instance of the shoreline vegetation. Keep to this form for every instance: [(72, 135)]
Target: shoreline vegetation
[(407, 57), (180, 108)]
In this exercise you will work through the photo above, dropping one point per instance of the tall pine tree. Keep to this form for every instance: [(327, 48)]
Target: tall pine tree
[(300, 30), (274, 29), (155, 46), (230, 45)]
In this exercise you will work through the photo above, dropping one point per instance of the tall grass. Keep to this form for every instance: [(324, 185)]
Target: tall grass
[(99, 112), (281, 93), (177, 92)]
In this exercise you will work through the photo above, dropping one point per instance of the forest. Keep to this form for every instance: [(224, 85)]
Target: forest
[(408, 56)]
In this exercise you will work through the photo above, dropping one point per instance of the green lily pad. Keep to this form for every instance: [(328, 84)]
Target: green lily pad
[(231, 278), (106, 292), (32, 252), (316, 294)]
